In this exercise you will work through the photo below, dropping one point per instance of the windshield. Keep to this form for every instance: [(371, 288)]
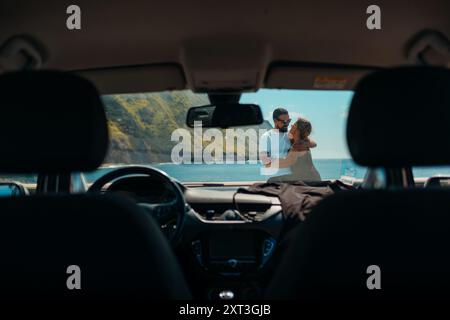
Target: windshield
[(149, 129)]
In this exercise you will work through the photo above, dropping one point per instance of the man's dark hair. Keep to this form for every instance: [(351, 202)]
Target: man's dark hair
[(278, 112)]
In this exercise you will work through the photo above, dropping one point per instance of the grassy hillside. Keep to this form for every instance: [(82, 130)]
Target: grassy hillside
[(141, 125)]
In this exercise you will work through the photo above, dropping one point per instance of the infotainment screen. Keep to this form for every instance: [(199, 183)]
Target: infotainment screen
[(233, 245)]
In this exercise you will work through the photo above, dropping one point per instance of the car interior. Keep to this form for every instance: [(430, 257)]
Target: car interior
[(82, 185)]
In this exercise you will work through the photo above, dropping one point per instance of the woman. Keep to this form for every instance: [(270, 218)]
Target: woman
[(299, 157)]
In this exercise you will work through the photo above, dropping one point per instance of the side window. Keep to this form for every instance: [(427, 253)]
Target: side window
[(21, 178), (426, 172), (423, 174)]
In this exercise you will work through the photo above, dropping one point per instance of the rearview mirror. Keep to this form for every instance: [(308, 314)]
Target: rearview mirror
[(225, 115)]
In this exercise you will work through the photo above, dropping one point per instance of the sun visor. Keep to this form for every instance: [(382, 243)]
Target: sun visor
[(137, 79), (288, 75)]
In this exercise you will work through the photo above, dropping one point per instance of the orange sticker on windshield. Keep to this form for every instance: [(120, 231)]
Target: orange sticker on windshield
[(321, 82)]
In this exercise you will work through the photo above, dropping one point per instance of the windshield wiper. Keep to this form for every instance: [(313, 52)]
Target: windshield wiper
[(212, 184)]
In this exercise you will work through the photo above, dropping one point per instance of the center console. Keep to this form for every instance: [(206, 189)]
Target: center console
[(232, 240), (233, 252)]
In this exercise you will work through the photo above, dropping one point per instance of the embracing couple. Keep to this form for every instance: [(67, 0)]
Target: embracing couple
[(287, 154)]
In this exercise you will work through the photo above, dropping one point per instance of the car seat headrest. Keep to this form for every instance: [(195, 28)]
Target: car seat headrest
[(50, 122), (401, 117)]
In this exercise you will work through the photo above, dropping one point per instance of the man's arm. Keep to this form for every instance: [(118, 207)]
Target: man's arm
[(264, 149), (264, 157)]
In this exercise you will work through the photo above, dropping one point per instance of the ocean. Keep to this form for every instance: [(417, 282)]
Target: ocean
[(328, 169)]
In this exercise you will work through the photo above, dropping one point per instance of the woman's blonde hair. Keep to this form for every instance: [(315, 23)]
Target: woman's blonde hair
[(304, 128)]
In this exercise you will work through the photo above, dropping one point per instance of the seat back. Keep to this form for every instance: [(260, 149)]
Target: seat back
[(119, 250), (71, 247), (406, 233), (381, 245)]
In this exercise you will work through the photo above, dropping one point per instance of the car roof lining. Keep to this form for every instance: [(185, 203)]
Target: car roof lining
[(122, 38)]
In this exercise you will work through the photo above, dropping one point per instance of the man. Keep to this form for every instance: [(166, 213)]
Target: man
[(275, 143)]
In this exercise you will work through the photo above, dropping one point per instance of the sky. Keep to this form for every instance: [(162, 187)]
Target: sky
[(326, 110)]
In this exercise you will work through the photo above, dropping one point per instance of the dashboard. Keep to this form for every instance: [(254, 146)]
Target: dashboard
[(228, 237)]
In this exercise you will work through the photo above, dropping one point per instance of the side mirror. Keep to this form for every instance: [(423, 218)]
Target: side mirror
[(11, 189), (225, 115), (437, 181)]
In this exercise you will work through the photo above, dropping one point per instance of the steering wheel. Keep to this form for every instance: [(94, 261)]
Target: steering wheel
[(170, 216)]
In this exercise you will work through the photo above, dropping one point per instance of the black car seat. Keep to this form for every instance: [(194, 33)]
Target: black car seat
[(389, 245), (54, 122)]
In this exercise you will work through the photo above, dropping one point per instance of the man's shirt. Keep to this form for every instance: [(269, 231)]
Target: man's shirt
[(276, 144)]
